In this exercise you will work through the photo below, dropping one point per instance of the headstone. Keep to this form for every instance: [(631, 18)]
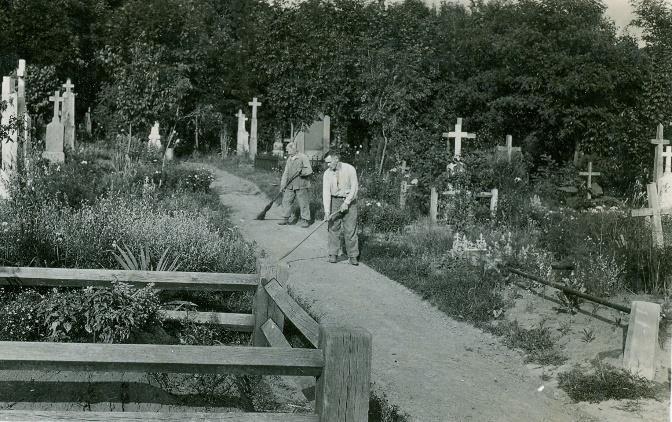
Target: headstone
[(87, 122), (658, 159), (277, 145), (54, 138), (639, 355), (433, 204), (10, 144), (170, 154), (21, 113), (590, 174), (68, 115), (241, 146), (506, 152), (665, 182), (253, 127), (458, 135), (654, 211), (155, 137), (315, 140)]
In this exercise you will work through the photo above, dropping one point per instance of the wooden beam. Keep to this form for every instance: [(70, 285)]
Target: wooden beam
[(275, 338), (237, 322), (294, 312), (160, 358), (165, 280), (39, 415)]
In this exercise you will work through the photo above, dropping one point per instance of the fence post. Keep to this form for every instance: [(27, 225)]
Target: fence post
[(343, 389), (264, 307)]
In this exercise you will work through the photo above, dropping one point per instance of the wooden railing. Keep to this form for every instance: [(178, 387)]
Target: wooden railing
[(338, 365)]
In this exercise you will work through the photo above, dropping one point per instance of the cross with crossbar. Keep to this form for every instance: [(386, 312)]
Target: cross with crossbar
[(57, 99), (655, 212), (658, 160), (458, 135), (590, 173)]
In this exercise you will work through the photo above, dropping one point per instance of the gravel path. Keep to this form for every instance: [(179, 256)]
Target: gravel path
[(432, 367)]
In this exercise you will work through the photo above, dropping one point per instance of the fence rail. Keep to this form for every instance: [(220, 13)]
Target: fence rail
[(336, 371)]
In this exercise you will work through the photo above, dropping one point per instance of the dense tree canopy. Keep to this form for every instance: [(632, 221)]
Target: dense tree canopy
[(553, 73)]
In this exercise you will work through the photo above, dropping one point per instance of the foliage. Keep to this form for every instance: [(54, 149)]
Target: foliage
[(127, 261), (537, 342), (381, 217), (20, 315), (605, 382)]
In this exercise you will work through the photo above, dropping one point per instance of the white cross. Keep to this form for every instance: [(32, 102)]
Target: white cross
[(21, 70), (56, 98), (458, 135), (68, 86), (240, 115), (509, 148), (254, 104), (658, 160), (667, 159), (590, 175), (655, 212)]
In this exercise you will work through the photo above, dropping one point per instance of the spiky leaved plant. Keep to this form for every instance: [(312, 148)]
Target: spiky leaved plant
[(128, 261)]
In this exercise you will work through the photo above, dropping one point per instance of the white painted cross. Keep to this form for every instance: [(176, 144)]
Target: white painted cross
[(253, 127), (458, 135), (68, 85), (658, 160), (590, 173), (654, 211), (509, 148), (57, 99), (667, 159)]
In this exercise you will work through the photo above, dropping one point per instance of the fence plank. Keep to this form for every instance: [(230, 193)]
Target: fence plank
[(238, 322), (160, 358), (37, 415), (343, 388), (275, 338), (294, 312), (268, 270), (166, 280)]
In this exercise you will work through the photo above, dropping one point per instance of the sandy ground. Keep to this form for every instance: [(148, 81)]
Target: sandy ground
[(432, 367)]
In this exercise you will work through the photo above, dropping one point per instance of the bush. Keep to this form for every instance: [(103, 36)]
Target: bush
[(20, 321), (537, 342), (381, 217), (605, 382)]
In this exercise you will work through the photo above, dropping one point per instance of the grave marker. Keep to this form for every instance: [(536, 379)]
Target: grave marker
[(508, 150), (665, 182), (54, 138), (433, 204), (22, 115), (87, 122), (9, 144), (242, 146), (654, 211), (658, 159), (253, 127), (154, 137), (590, 175), (404, 184), (494, 198), (68, 115), (458, 135), (639, 355), (314, 141)]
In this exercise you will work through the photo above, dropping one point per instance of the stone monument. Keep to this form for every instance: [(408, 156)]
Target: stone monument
[(155, 137), (665, 182), (9, 145), (242, 146), (253, 127), (68, 116), (87, 122), (54, 138), (315, 140)]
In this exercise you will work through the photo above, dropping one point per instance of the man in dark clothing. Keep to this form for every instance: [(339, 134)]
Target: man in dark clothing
[(297, 163)]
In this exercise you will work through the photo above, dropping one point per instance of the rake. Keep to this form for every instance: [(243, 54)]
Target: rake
[(262, 214)]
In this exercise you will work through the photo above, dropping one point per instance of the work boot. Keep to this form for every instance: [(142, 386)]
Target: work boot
[(304, 224), (291, 221), (353, 261), (332, 259), (283, 222)]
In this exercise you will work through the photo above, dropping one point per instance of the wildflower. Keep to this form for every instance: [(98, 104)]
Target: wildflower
[(378, 204), (357, 152), (4, 223), (83, 162), (517, 179), (414, 182)]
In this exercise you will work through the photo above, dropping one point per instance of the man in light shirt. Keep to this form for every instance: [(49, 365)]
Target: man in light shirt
[(339, 193)]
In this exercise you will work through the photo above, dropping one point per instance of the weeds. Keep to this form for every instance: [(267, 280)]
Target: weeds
[(587, 335), (538, 344)]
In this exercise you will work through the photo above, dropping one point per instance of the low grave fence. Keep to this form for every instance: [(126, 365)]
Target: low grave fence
[(336, 370)]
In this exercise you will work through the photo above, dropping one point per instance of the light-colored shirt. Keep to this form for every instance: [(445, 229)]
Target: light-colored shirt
[(340, 182), (297, 163)]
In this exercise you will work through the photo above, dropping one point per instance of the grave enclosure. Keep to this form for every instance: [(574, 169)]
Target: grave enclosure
[(338, 365)]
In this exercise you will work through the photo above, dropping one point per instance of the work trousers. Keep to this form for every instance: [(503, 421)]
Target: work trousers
[(302, 196), (343, 224)]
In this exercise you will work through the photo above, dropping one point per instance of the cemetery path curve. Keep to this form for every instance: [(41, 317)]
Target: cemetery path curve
[(432, 367)]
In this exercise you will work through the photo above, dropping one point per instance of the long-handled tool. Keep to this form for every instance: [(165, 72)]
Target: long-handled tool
[(310, 234), (262, 214)]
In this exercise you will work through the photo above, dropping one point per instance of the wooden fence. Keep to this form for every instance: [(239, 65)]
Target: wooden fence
[(338, 365)]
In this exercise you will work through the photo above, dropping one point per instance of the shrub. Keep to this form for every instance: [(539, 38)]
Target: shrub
[(381, 217), (537, 342), (605, 382), (20, 321)]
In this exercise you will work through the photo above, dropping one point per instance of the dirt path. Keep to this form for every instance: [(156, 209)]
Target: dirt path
[(432, 367)]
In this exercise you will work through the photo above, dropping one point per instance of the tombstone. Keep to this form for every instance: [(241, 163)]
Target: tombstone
[(154, 137), (55, 132), (665, 182), (315, 140), (87, 122), (506, 152), (68, 115), (278, 147), (253, 127), (241, 146), (590, 175), (655, 212), (639, 355), (458, 135), (22, 115), (10, 144), (658, 159), (433, 204)]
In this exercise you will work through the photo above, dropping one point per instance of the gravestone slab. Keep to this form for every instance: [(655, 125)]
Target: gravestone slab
[(242, 145), (641, 343), (87, 122), (253, 127), (315, 140), (54, 138), (155, 137), (9, 145), (68, 116)]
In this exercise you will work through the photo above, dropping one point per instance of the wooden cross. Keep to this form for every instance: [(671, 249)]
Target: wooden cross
[(458, 135), (658, 160), (494, 197), (509, 148), (57, 99), (655, 212), (68, 86), (590, 175)]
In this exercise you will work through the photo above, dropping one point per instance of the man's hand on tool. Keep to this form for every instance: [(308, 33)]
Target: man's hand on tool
[(344, 207)]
